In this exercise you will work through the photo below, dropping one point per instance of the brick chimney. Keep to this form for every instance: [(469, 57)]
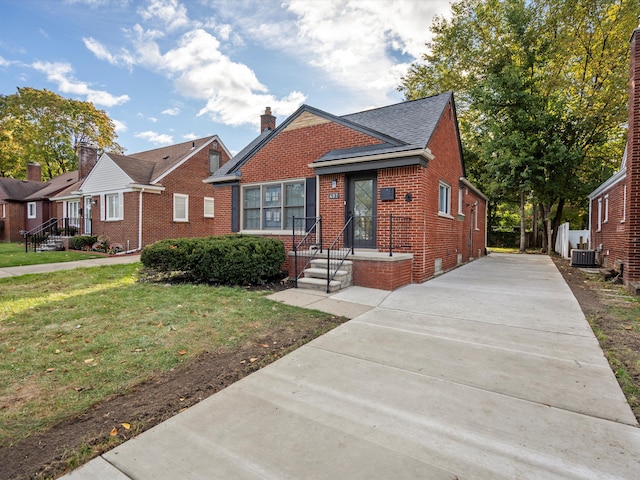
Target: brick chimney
[(631, 272), (267, 121), (34, 172), (87, 159)]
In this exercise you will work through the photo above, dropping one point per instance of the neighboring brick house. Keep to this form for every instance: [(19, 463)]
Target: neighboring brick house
[(607, 219), (24, 204), (403, 159), (137, 199), (615, 205)]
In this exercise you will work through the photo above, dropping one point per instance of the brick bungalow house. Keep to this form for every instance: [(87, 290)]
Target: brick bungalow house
[(615, 205), (394, 174), (24, 204), (137, 199)]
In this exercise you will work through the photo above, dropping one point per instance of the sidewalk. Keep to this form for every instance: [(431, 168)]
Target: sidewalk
[(487, 372), (54, 267)]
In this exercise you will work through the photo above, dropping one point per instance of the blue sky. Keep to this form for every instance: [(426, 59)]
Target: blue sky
[(167, 71)]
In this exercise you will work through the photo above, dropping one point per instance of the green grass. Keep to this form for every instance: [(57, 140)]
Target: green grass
[(13, 255), (68, 341)]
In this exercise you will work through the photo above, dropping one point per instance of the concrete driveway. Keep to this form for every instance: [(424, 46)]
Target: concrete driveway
[(487, 372)]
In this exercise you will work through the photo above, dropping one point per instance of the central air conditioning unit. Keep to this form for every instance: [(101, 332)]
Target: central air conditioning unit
[(583, 258)]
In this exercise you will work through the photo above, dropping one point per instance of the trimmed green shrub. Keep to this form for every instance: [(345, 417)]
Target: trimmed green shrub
[(82, 242), (224, 260)]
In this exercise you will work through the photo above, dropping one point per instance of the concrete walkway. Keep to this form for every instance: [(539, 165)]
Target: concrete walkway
[(487, 372), (54, 267)]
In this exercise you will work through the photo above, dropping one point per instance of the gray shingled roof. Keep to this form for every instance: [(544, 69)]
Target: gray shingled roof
[(55, 186), (18, 190), (401, 126), (412, 122), (140, 171)]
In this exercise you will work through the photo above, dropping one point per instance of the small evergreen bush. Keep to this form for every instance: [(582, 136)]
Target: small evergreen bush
[(82, 242), (224, 260)]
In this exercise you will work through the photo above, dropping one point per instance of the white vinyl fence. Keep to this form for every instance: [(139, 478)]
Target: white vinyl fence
[(568, 239)]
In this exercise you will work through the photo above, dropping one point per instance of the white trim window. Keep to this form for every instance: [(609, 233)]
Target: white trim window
[(4, 211), (460, 201), (265, 206), (444, 198), (113, 207), (209, 207), (606, 209), (180, 207), (599, 214), (32, 211)]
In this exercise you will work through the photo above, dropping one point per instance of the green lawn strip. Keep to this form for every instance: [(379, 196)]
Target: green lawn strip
[(14, 255), (69, 340)]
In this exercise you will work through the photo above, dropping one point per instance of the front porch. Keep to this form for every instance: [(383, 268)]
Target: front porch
[(368, 268)]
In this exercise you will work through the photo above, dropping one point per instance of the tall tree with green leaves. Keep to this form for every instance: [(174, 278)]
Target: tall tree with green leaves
[(542, 87), (41, 126)]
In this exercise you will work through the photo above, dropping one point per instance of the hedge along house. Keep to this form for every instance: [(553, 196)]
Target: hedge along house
[(389, 182), (137, 199)]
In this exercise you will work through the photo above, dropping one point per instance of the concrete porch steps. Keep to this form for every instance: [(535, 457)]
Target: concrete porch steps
[(315, 277)]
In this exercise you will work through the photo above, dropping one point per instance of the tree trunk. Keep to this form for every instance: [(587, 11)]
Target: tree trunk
[(534, 224), (523, 230), (546, 214)]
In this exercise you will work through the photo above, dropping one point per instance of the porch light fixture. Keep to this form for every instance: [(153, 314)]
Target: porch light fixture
[(334, 183)]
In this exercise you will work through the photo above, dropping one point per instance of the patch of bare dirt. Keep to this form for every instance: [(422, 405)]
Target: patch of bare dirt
[(48, 454), (614, 316)]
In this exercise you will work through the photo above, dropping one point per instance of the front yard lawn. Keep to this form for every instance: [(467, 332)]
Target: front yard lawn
[(70, 340), (13, 255)]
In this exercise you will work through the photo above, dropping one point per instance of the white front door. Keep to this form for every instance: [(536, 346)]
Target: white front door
[(87, 215)]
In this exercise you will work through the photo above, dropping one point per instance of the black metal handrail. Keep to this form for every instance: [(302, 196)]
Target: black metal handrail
[(340, 254), (306, 238), (53, 228)]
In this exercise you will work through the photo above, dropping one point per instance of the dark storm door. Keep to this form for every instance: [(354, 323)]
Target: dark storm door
[(361, 204)]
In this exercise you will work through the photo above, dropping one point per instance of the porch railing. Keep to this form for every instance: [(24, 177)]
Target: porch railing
[(339, 250), (53, 229), (307, 238)]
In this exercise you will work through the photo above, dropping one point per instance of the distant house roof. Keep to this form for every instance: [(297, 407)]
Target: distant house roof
[(401, 128), (55, 186), (13, 189)]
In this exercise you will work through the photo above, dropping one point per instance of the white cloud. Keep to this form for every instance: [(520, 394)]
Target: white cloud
[(4, 62), (231, 91), (168, 13), (171, 111), (120, 126), (101, 53), (155, 137), (153, 119), (189, 136), (62, 74), (362, 45)]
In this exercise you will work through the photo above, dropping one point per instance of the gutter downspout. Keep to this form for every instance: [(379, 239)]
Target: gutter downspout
[(140, 219)]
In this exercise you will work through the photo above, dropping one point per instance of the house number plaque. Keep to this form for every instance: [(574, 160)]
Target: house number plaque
[(334, 195)]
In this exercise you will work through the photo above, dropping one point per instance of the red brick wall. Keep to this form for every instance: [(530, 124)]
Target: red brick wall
[(430, 236), (14, 221), (382, 275), (157, 209), (612, 233), (632, 246)]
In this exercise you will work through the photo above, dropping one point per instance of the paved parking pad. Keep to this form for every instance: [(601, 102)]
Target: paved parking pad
[(487, 372)]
